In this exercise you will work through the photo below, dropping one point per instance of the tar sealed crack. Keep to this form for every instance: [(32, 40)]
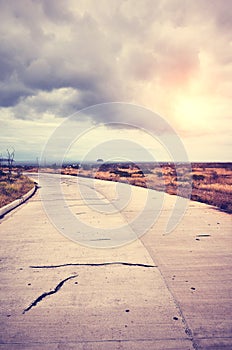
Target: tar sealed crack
[(91, 264), (46, 294)]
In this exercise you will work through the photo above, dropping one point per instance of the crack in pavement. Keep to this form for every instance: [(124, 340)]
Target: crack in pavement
[(92, 264), (45, 294)]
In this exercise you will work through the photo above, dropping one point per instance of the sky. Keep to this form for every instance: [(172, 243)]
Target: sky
[(171, 58)]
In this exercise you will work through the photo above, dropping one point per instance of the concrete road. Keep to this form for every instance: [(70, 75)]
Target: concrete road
[(113, 291)]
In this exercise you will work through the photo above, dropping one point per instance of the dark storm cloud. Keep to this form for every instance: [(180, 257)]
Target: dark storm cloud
[(172, 56), (46, 48), (11, 94), (103, 51), (126, 116)]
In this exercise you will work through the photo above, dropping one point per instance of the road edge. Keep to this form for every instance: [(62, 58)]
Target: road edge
[(9, 207)]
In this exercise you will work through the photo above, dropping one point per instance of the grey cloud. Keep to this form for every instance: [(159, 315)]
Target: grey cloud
[(219, 12), (127, 116), (57, 11), (11, 94), (42, 61), (102, 52)]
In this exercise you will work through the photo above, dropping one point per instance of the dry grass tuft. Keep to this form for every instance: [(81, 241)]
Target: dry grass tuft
[(14, 189)]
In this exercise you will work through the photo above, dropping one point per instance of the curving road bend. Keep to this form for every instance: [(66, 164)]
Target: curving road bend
[(117, 288)]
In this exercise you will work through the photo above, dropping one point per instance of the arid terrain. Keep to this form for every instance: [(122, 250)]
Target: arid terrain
[(211, 183), (13, 187)]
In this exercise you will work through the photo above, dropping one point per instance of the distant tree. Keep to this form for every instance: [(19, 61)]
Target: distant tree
[(75, 166), (10, 160), (197, 177)]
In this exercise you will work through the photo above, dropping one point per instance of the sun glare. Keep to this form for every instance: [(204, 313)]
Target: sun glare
[(192, 112)]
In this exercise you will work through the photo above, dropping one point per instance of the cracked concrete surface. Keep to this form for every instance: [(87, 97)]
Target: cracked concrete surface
[(159, 292), (92, 264), (46, 294)]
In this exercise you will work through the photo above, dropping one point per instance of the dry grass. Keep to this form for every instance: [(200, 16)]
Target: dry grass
[(14, 189), (211, 182), (212, 186)]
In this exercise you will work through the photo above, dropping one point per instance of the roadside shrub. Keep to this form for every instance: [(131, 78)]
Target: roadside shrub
[(197, 177)]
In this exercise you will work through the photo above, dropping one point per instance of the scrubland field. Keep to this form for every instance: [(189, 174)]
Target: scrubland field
[(209, 183), (14, 187)]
